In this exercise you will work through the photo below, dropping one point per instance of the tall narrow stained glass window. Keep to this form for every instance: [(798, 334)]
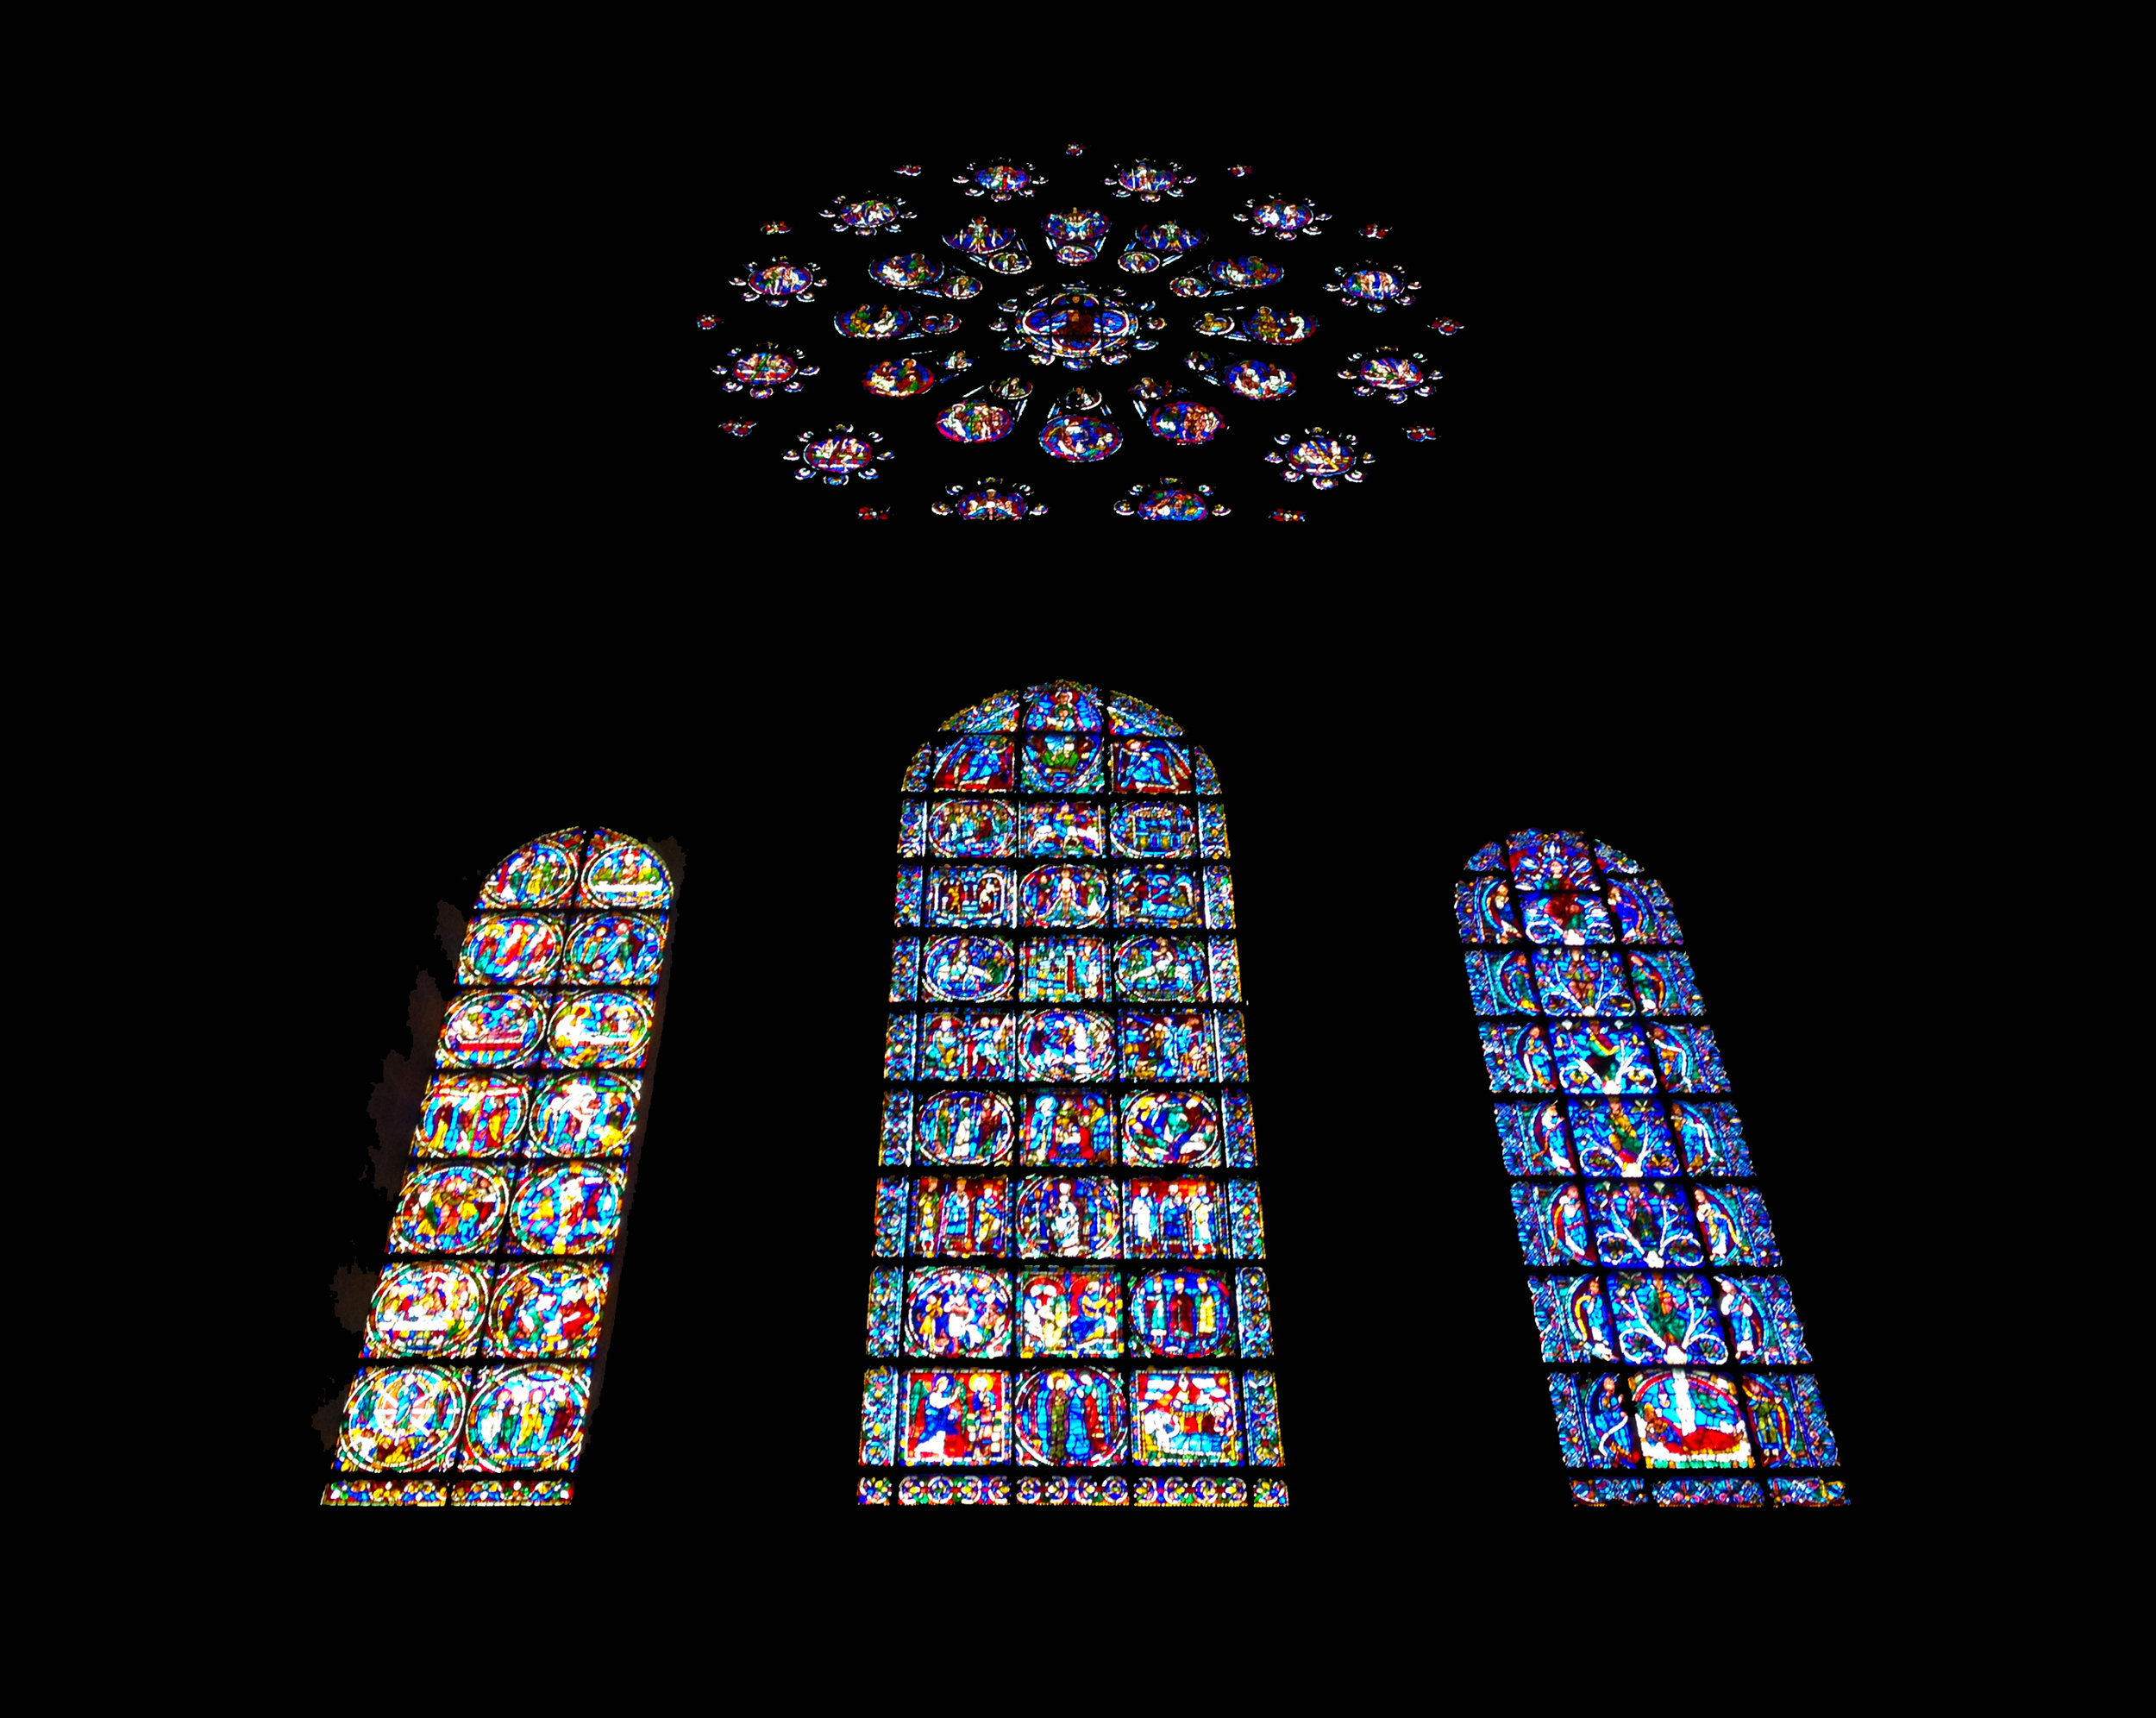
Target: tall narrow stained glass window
[(1068, 1287), (1680, 1373), (477, 1362)]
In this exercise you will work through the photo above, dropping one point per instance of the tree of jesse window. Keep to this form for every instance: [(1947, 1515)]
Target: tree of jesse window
[(1068, 1282), (1680, 1374), (477, 1372)]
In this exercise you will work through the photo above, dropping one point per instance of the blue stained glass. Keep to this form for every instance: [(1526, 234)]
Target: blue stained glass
[(1156, 896), (879, 1415), (1168, 1046), (972, 829), (1235, 1055), (962, 1217), (616, 948), (1064, 706), (584, 1115), (1159, 830), (1219, 898), (1065, 969), (916, 771), (906, 902), (1592, 1431), (1532, 1136), (1516, 1058), (968, 1046), (883, 1310), (1665, 981), (1500, 983), (1128, 715), (971, 895), (1208, 783), (1552, 1224), (953, 1311), (514, 948), (1690, 1059), (1638, 919), (1069, 1217), (1069, 1127), (1180, 1316), (1614, 860), (1065, 1044), (1483, 908), (1571, 1318), (1185, 1418), (1666, 1318), (1489, 857), (1227, 970), (890, 1218), (1734, 1221), (566, 1208), (1212, 830), (1064, 895), (1569, 916), (905, 959), (1548, 859), (1069, 1312), (898, 1047), (969, 968), (1169, 1130), (1254, 1314), (996, 715), (1713, 1138), (1692, 1493), (1580, 982), (1602, 1055), (1053, 829), (1809, 1493), (1690, 1418), (964, 1128), (1789, 1419), (913, 829), (1643, 1223), (1261, 1419), (1761, 1314), (1063, 763), (1621, 1136), (1151, 766), (1169, 968), (1247, 1214), (895, 1144), (1608, 1493), (977, 763), (1242, 1130)]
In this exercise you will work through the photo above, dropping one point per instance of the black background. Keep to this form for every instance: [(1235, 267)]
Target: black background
[(1359, 774)]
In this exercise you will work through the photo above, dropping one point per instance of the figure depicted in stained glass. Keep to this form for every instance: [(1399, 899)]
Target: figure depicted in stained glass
[(1150, 968), (457, 1209), (527, 1417), (1065, 969), (1076, 234), (599, 1029), (918, 272), (764, 370), (956, 1419), (547, 1312), (615, 948), (835, 455), (986, 415), (1285, 217), (953, 1313), (882, 321), (1169, 499), (1182, 1219), (965, 1127), (1076, 1128), (1244, 274), (1079, 433), (1069, 1217), (1185, 1418), (962, 1217), (905, 378), (1068, 1314), (969, 895), (494, 1028), (1667, 1318), (993, 499), (1152, 831), (1070, 1417), (1157, 244), (1149, 180), (511, 949), (1057, 762), (779, 282), (401, 1418), (1076, 326), (1373, 287), (566, 1208), (1643, 1223), (1265, 324), (1690, 1418), (969, 968), (1057, 895), (1390, 375), (580, 1114), (1181, 1314), (1000, 180), (472, 1115), (426, 1311), (1251, 378), (1324, 457), (867, 215)]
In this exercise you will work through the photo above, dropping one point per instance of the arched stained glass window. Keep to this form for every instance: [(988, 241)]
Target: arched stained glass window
[(489, 1316), (1069, 1281), (1680, 1370)]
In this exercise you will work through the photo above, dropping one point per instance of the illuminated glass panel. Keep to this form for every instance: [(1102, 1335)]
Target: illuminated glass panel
[(1064, 1274), (1630, 1173)]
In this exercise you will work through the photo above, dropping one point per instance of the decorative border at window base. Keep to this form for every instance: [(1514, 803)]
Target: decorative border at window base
[(942, 1487), (873, 1491), (1063, 1490), (434, 1492), (1727, 1491), (1196, 1493)]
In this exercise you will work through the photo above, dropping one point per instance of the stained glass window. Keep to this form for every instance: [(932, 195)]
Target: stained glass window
[(1067, 1272), (480, 1362), (1678, 1369)]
